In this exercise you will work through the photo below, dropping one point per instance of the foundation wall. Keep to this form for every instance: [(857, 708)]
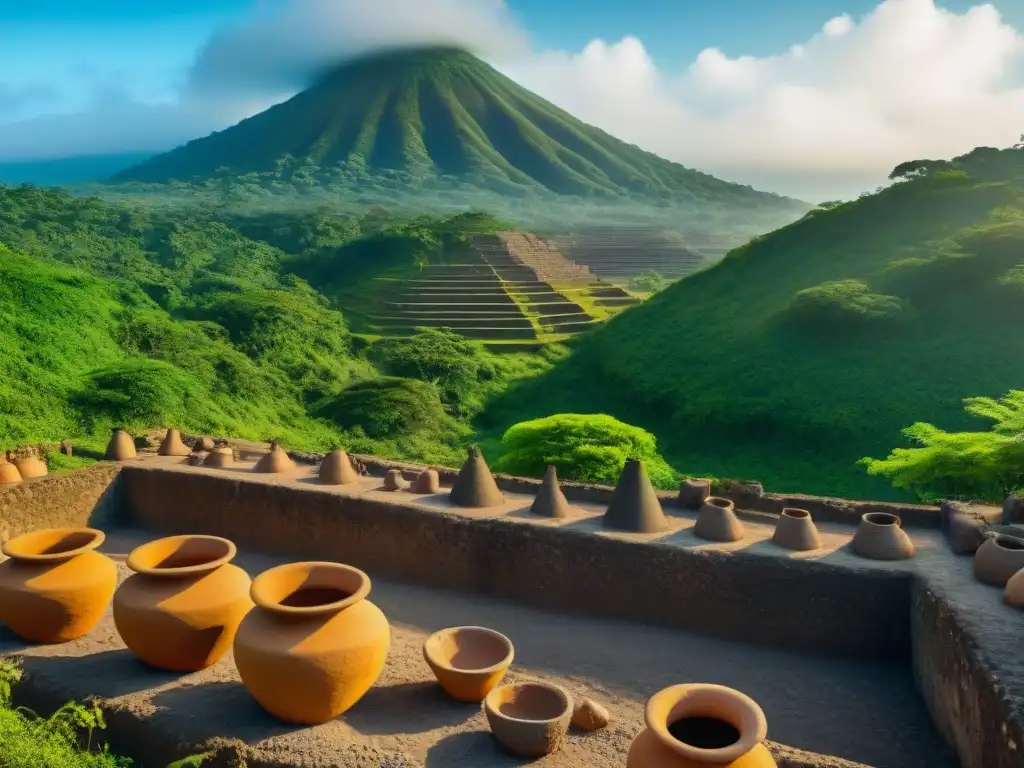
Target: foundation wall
[(806, 606), (85, 497), (962, 689)]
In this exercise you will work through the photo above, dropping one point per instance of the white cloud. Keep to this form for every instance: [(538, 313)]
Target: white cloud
[(824, 117)]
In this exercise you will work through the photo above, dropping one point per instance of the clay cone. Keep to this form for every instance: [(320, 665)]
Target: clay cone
[(172, 445), (394, 481), (276, 461), (219, 458), (475, 486), (550, 501), (336, 469), (717, 521), (121, 446), (796, 530), (634, 505), (427, 481)]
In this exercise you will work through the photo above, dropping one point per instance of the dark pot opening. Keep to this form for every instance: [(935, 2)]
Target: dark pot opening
[(704, 732), (797, 513), (1009, 542), (311, 597), (716, 501), (882, 518)]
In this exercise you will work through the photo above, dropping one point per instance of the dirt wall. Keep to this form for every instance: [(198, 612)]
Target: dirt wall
[(806, 606), (84, 497)]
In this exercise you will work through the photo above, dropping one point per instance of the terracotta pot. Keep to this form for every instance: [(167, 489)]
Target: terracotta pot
[(998, 558), (693, 491), (336, 469), (717, 521), (121, 446), (468, 661), (314, 644), (276, 461), (529, 719), (219, 458), (9, 473), (30, 467), (172, 445), (55, 587), (699, 726), (796, 530), (182, 607), (880, 537), (427, 481), (394, 480)]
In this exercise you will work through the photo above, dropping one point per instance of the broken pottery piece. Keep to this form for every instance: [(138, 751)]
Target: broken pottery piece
[(693, 491), (635, 505), (475, 486), (796, 530), (550, 501), (427, 481), (717, 521), (590, 716)]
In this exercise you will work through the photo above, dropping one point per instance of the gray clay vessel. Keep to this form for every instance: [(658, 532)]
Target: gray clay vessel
[(717, 521), (796, 530), (881, 537), (998, 559)]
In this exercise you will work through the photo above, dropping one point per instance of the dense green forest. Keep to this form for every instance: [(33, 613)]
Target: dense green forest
[(815, 346)]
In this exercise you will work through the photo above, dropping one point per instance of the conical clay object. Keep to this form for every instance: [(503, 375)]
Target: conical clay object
[(796, 530), (121, 446), (274, 462), (336, 469), (634, 505), (717, 521), (475, 486), (9, 473), (998, 559), (1014, 592), (219, 458), (173, 445), (550, 501), (427, 481), (880, 537), (395, 481)]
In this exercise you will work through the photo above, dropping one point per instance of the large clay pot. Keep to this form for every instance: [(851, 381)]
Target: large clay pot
[(529, 719), (468, 662), (880, 537), (121, 446), (182, 607), (313, 645), (1014, 592), (700, 726), (9, 473), (30, 467), (717, 521), (55, 587), (998, 558), (173, 445), (796, 530)]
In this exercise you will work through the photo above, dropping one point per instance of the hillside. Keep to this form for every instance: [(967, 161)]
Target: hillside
[(443, 117), (813, 346)]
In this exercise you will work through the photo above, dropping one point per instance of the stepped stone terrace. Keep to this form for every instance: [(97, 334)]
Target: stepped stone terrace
[(856, 662)]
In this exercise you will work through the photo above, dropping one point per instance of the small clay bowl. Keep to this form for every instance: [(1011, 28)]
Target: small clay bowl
[(468, 661), (529, 719)]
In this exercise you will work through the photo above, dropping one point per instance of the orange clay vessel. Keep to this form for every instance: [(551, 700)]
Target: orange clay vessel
[(30, 467), (313, 645), (468, 662), (55, 587), (9, 473), (182, 607), (700, 726)]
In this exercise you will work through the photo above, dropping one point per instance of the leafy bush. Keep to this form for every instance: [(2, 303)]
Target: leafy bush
[(844, 303), (388, 407), (984, 466), (138, 393), (589, 448), (648, 282)]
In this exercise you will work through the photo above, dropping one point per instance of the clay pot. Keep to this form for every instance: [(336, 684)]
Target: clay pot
[(1014, 592), (529, 719), (998, 558), (699, 726), (30, 467), (181, 608), (276, 461), (395, 481), (55, 587), (219, 458), (796, 530), (121, 446), (717, 521), (336, 469), (693, 491), (468, 661), (313, 645), (9, 473), (172, 445), (880, 537), (427, 481)]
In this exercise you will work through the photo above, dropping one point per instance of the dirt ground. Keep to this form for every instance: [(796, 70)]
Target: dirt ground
[(861, 711)]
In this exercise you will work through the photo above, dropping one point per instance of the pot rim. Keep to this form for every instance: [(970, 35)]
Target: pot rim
[(796, 513), (692, 699), (261, 591), (1000, 538), (881, 519), (429, 643), (719, 501), (135, 556), (18, 547), (562, 693)]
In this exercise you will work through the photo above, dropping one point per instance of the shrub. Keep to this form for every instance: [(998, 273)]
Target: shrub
[(844, 303), (589, 448), (387, 408), (137, 393)]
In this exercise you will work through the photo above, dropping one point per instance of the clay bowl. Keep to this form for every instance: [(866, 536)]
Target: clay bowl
[(468, 661), (529, 719)]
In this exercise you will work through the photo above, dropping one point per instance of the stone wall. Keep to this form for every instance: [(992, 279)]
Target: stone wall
[(85, 497), (802, 605)]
